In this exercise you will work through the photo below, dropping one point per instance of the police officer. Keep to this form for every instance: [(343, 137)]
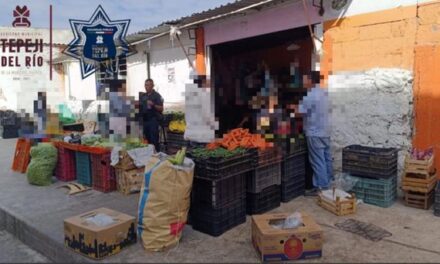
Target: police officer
[(151, 106)]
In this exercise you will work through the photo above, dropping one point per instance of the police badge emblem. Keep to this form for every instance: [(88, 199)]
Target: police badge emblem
[(97, 40)]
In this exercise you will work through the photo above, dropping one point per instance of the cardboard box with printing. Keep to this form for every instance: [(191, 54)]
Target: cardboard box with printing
[(278, 244), (99, 233)]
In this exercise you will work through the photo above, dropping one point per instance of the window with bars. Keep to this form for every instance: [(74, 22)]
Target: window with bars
[(114, 69)]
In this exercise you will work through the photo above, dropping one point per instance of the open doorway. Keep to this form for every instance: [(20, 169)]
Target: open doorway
[(255, 80)]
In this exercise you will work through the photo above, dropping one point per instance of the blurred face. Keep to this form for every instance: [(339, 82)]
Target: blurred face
[(149, 85)]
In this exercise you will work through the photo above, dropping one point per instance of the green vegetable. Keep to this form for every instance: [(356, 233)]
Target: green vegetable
[(133, 143), (204, 153), (44, 160), (91, 140), (179, 157)]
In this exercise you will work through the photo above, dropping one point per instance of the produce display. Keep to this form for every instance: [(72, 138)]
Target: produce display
[(43, 162), (175, 121), (134, 143), (418, 154), (91, 140), (239, 137), (179, 115), (204, 153), (177, 126)]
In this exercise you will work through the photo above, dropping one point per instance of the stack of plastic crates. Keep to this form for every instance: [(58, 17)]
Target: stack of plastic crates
[(103, 175), (437, 200), (379, 192), (83, 168), (218, 201), (293, 176), (370, 162), (65, 169), (376, 171), (174, 142), (263, 183)]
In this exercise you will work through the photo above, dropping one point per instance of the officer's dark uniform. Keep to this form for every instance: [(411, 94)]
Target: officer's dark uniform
[(151, 117)]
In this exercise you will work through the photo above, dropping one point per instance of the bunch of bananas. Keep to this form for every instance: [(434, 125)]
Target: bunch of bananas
[(177, 126)]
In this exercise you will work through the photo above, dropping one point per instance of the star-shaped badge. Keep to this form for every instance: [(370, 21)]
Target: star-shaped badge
[(98, 40)]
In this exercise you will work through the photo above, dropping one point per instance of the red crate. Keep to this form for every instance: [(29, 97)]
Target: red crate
[(66, 169), (22, 155), (103, 174)]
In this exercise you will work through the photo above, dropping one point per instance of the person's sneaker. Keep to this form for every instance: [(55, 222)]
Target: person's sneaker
[(312, 192)]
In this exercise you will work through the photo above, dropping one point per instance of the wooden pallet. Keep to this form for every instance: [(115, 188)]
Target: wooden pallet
[(22, 155), (338, 207), (419, 200), (424, 167)]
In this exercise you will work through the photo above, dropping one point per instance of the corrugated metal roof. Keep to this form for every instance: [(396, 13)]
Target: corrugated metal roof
[(223, 9)]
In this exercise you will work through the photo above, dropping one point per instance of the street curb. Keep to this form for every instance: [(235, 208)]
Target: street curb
[(43, 244)]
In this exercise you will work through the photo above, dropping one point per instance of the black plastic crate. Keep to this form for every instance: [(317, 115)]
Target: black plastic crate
[(269, 156), (215, 222), (266, 200), (369, 172), (292, 190), (216, 168), (176, 138), (294, 166), (379, 158), (300, 145), (10, 131), (263, 177), (219, 192)]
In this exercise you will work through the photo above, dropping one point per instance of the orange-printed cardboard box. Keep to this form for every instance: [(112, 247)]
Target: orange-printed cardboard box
[(99, 233), (275, 244)]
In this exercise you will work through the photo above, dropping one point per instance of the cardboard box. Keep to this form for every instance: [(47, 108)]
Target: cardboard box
[(286, 244), (96, 240), (129, 181), (125, 161)]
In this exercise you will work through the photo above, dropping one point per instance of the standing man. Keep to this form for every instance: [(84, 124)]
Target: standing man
[(315, 108), (151, 108)]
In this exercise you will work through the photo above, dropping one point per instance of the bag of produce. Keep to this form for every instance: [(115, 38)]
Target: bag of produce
[(164, 200), (43, 162)]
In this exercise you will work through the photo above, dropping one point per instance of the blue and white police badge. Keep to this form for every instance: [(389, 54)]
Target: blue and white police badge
[(98, 40)]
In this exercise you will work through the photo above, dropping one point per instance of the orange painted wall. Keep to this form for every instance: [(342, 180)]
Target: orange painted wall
[(427, 80), (407, 38), (382, 39)]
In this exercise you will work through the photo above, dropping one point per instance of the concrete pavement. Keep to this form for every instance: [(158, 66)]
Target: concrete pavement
[(35, 216)]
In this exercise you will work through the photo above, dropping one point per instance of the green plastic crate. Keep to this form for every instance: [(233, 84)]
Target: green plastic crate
[(380, 202), (359, 194), (379, 192), (83, 168)]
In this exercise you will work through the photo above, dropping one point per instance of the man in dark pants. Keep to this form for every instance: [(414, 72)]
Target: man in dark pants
[(151, 106)]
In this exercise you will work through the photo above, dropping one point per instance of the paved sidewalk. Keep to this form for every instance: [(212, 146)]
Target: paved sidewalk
[(35, 216), (13, 250)]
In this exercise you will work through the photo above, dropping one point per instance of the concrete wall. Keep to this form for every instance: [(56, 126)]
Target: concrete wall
[(137, 71), (77, 88), (406, 38), (371, 108)]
